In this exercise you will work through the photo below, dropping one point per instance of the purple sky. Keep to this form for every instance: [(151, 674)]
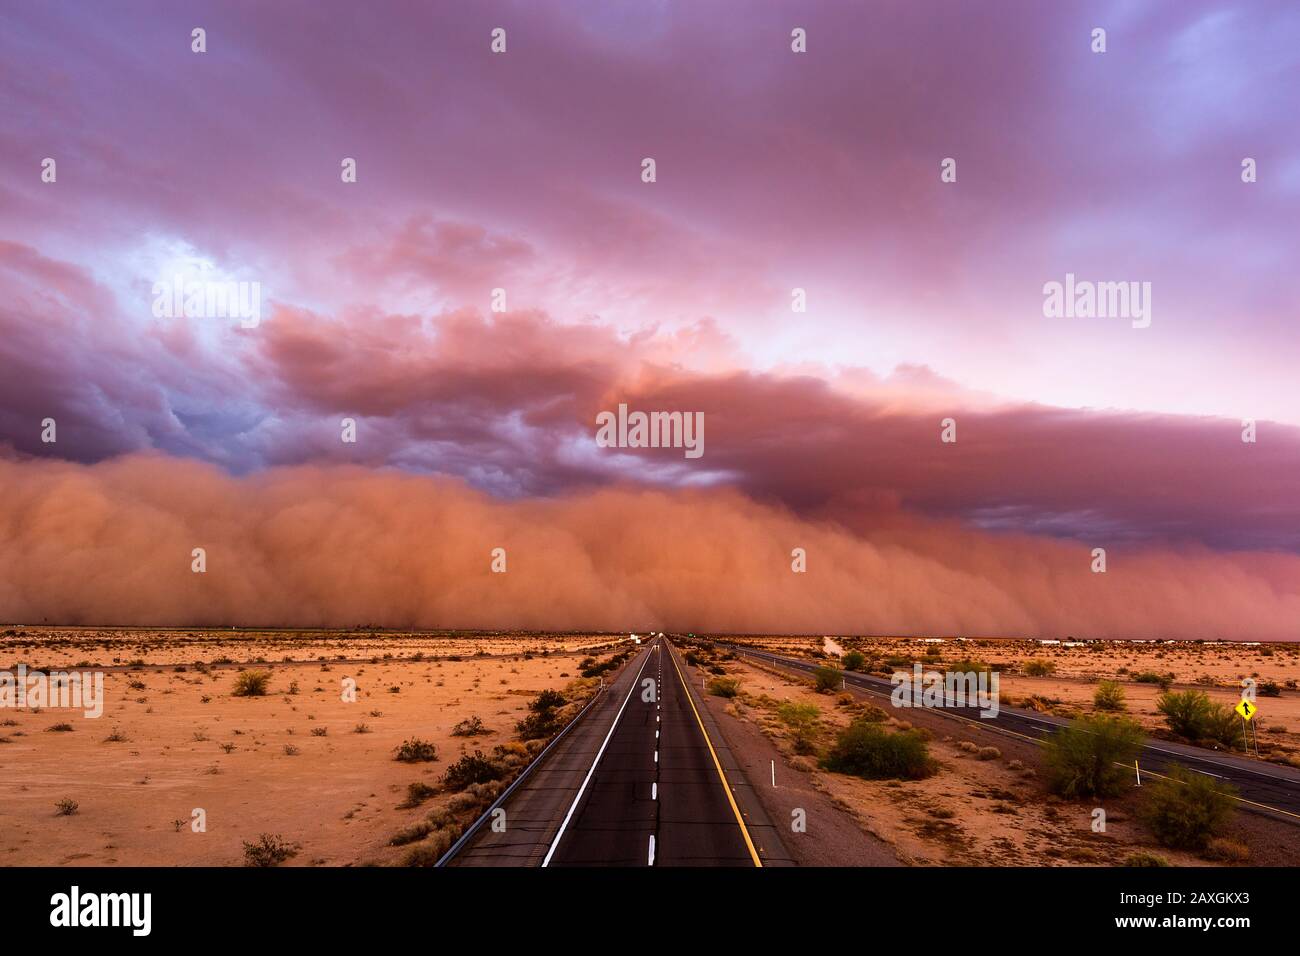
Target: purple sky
[(775, 170)]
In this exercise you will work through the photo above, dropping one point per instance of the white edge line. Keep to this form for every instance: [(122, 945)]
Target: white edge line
[(600, 753)]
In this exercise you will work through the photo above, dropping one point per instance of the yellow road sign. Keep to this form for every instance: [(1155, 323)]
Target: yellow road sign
[(1246, 709)]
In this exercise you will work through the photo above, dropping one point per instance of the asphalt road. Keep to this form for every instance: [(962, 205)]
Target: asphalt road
[(1265, 787), (638, 782), (655, 798), (536, 810)]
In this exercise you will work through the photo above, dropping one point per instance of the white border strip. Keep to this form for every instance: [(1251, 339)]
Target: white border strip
[(600, 753)]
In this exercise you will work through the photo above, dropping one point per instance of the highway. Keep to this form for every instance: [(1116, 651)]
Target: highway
[(643, 779), (1264, 787)]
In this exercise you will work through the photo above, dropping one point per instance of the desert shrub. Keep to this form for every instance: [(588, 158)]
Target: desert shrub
[(539, 726), (724, 687), (469, 727), (1225, 727), (595, 670), (1145, 859), (470, 769), (1226, 850), (1187, 713), (1185, 810), (988, 753), (1109, 696), (415, 832), (59, 728), (268, 850), (542, 720), (429, 852), (251, 683), (853, 661), (546, 700), (865, 749), (1039, 668), (67, 807), (1269, 688), (826, 679), (1151, 677), (416, 751), (1081, 758), (802, 719), (966, 665), (1191, 714)]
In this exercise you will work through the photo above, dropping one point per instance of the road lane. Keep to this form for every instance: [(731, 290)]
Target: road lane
[(537, 808)]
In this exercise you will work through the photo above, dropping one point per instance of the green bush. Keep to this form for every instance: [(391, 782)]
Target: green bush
[(1225, 727), (251, 683), (826, 679), (1151, 677), (1039, 668), (1109, 696), (1081, 759), (724, 687), (802, 719), (865, 749), (1192, 715), (853, 661), (1145, 859), (1185, 810)]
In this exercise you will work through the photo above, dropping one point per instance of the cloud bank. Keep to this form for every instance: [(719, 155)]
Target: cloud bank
[(345, 546)]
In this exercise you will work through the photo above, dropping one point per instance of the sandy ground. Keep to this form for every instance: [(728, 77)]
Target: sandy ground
[(974, 811), (1216, 669), (46, 648), (829, 835), (291, 763)]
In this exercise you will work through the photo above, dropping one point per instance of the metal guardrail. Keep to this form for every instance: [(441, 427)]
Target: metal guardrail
[(496, 804)]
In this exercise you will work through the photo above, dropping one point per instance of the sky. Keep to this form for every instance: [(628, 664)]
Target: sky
[(774, 171)]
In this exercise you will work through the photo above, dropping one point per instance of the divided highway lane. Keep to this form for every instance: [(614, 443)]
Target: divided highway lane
[(637, 782), (1268, 788), (656, 796), (536, 810)]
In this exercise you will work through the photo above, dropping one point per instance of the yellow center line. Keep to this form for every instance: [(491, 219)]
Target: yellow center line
[(726, 787)]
